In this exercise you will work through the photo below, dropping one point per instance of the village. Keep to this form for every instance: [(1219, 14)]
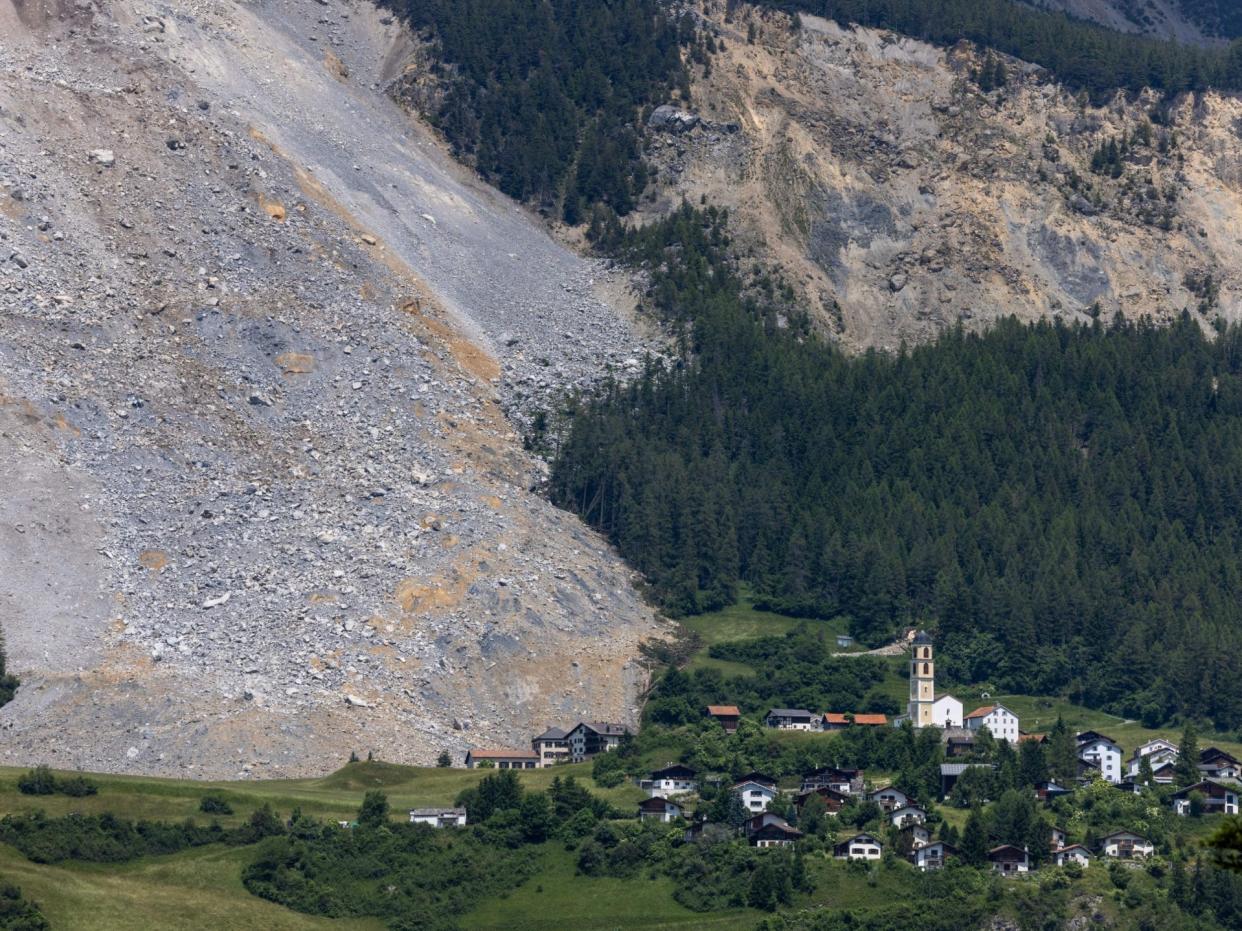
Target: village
[(767, 813)]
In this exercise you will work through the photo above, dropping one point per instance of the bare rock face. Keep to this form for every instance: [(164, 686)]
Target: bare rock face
[(258, 342), (900, 199)]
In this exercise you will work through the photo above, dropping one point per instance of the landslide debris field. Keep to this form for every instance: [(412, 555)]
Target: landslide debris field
[(261, 348)]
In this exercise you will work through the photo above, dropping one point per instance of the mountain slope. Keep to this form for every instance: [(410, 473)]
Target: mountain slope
[(902, 199), (259, 334)]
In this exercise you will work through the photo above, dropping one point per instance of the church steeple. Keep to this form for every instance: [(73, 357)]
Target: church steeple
[(922, 681)]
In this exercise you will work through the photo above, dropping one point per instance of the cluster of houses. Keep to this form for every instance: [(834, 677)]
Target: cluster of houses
[(581, 742), (835, 787)]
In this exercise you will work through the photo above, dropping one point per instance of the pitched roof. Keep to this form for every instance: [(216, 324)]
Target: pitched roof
[(604, 728), (503, 755), (871, 719), (836, 717), (435, 812), (1034, 738), (673, 769), (725, 710), (1208, 754), (656, 803), (754, 776), (1076, 847), (956, 769), (1091, 736), (981, 712), (1125, 834), (1006, 850), (790, 713), (553, 733)]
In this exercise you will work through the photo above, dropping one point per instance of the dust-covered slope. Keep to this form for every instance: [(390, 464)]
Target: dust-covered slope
[(901, 198), (257, 335)]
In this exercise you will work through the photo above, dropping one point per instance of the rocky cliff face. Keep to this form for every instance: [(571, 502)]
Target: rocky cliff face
[(900, 198), (258, 336)]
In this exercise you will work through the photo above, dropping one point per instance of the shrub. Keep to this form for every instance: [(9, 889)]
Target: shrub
[(77, 786), (215, 804), (38, 781)]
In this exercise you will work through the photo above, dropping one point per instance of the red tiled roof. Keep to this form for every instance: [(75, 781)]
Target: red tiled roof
[(870, 719), (982, 712), (836, 717), (727, 710)]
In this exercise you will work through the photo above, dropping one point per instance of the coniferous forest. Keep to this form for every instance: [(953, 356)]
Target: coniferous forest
[(545, 98), (1063, 504)]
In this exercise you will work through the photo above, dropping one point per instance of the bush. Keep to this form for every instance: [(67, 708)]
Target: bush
[(77, 787), (215, 804), (38, 781)]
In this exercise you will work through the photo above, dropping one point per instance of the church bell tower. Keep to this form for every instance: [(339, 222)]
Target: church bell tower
[(922, 681)]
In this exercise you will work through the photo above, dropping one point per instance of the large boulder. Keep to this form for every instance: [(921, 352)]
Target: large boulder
[(673, 119)]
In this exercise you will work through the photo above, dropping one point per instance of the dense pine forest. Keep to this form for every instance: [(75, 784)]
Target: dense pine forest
[(1061, 503), (1079, 54), (545, 98)]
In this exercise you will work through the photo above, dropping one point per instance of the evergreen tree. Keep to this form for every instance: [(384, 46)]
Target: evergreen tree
[(374, 810), (1062, 753), (975, 839), (444, 760), (1032, 767), (1145, 775), (1186, 770)]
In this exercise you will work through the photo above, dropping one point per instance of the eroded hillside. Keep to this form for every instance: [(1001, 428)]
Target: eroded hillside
[(257, 335), (902, 198)]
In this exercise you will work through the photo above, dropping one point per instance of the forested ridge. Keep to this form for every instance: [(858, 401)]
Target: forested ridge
[(1060, 503)]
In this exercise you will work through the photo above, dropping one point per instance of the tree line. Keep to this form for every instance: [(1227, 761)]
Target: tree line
[(1077, 53), (1059, 502)]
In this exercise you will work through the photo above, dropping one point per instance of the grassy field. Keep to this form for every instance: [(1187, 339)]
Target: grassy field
[(743, 621)]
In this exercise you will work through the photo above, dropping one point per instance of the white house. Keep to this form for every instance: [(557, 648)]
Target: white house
[(907, 815), (589, 738), (1074, 853), (998, 720), (918, 834), (658, 809), (947, 712), (890, 798), (756, 796), (1099, 751), (673, 780), (1158, 753), (791, 719), (1058, 838), (932, 856), (1126, 846), (439, 817), (859, 847)]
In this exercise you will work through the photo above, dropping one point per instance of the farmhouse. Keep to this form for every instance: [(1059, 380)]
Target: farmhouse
[(859, 847), (1126, 846), (791, 719), (997, 720), (502, 759), (658, 809), (932, 856), (1100, 752), (552, 746), (439, 817), (727, 715), (1220, 797), (674, 779), (1009, 860), (591, 738)]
